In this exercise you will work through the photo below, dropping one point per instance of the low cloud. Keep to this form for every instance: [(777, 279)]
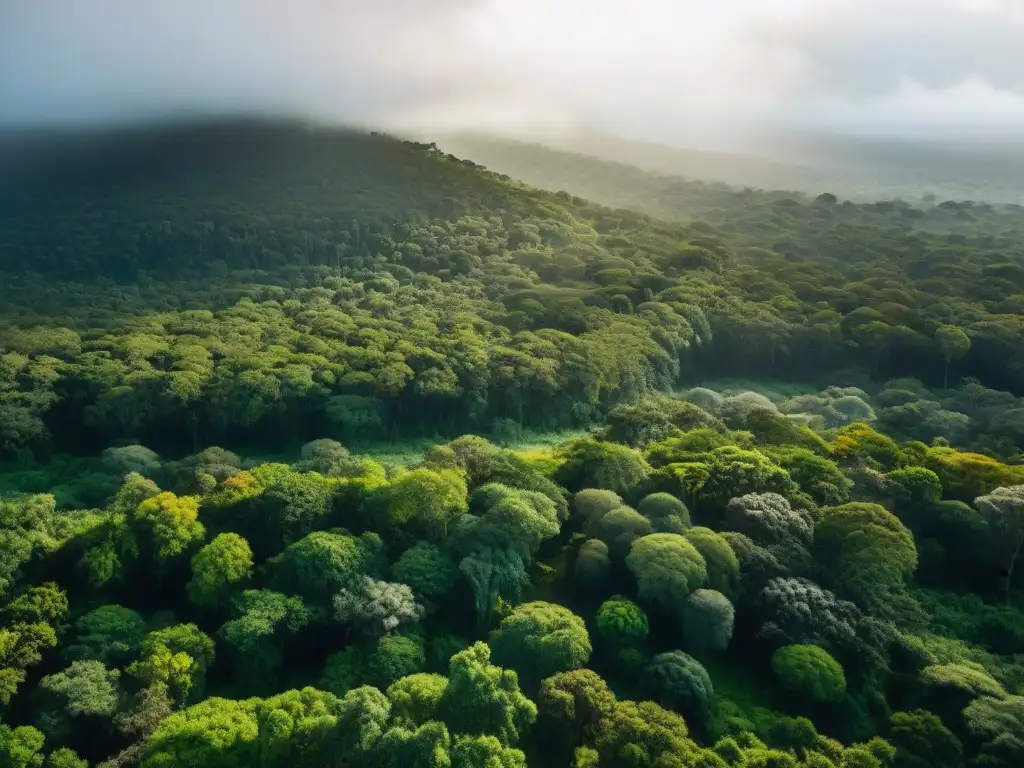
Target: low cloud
[(698, 72)]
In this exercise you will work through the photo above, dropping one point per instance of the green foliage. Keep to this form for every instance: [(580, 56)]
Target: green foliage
[(922, 741), (428, 499), (999, 724), (810, 671), (21, 747), (573, 706), (769, 521), (723, 568), (866, 551), (395, 656), (679, 681), (621, 622), (493, 574), (218, 567), (1003, 511), (540, 639), (65, 758), (319, 565), (592, 564), (427, 570), (110, 634), (168, 525), (708, 619), (263, 618), (415, 698), (591, 504), (484, 700), (666, 513), (620, 528), (376, 606), (85, 689), (27, 530), (667, 568), (589, 463), (322, 286)]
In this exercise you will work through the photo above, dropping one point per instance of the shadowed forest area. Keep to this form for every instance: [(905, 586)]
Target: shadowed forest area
[(324, 448)]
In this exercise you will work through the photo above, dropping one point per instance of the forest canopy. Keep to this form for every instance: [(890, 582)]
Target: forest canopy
[(593, 544)]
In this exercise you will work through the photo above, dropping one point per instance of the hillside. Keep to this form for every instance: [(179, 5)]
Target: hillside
[(862, 170), (248, 516)]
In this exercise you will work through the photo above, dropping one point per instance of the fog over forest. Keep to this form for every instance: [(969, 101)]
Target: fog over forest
[(702, 73)]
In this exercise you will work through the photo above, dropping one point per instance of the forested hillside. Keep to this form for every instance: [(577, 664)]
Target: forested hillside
[(786, 532), (213, 284)]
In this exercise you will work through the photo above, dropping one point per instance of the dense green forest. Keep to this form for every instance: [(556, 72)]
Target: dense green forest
[(786, 531)]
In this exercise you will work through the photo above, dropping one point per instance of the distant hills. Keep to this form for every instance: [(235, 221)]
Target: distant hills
[(859, 170)]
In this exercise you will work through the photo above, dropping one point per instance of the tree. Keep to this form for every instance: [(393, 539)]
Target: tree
[(376, 606), (810, 671), (757, 564), (592, 564), (218, 733), (666, 513), (539, 639), (473, 751), (999, 725), (292, 505), (427, 570), (493, 573), (589, 463), (867, 553), (667, 568), (84, 689), (1003, 511), (325, 456), (572, 706), (513, 519), (653, 417), (591, 504), (769, 520), (483, 699), (731, 471), (723, 569), (817, 476), (426, 498), (175, 642), (922, 741), (321, 564), (708, 619), (65, 758), (264, 618), (679, 681), (126, 459), (110, 634), (395, 656), (44, 603), (620, 528), (954, 344), (798, 611), (21, 747), (621, 623), (425, 746), (218, 567), (415, 698), (27, 529), (168, 525), (643, 733)]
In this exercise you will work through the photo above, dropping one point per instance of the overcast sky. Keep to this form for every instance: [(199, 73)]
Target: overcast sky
[(705, 72)]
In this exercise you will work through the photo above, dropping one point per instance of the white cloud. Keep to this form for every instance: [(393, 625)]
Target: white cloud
[(701, 71)]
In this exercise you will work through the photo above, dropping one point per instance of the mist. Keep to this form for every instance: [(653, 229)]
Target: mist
[(697, 73)]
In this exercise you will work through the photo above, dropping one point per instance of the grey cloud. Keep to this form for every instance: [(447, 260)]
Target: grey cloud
[(699, 71)]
